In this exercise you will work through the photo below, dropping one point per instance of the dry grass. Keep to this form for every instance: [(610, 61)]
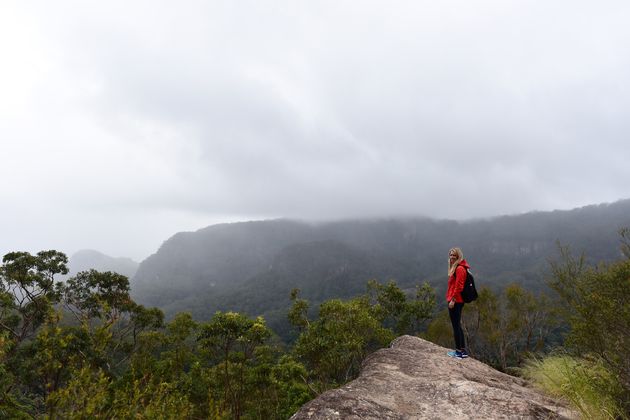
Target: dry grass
[(584, 383)]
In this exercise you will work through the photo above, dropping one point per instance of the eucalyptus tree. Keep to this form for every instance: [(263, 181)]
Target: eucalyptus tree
[(28, 291), (333, 346), (595, 305)]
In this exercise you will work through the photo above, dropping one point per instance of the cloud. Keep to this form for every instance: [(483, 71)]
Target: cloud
[(141, 119)]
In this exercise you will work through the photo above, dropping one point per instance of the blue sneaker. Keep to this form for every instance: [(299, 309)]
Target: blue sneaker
[(461, 354), (452, 353)]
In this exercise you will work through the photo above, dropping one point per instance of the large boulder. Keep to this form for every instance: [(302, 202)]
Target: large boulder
[(415, 379)]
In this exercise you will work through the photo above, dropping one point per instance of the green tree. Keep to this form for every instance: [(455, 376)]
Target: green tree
[(277, 385), (624, 235), (533, 318), (170, 356), (501, 329), (298, 314), (101, 303), (231, 339), (86, 395), (27, 291), (12, 406), (45, 353), (421, 309), (486, 328), (93, 394), (595, 305), (334, 345), (93, 294), (403, 315)]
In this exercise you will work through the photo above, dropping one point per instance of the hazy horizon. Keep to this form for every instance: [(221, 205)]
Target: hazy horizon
[(124, 123), (384, 217)]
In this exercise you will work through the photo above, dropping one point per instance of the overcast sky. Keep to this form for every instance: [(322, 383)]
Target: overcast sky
[(124, 122)]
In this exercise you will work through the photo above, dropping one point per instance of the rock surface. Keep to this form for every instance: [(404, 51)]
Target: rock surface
[(415, 379)]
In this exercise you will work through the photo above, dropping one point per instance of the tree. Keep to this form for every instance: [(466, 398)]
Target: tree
[(595, 305), (93, 294), (232, 338), (93, 394), (334, 345), (501, 329), (116, 359), (422, 308), (624, 234), (298, 314), (41, 354), (532, 317), (404, 316), (101, 303), (10, 405), (27, 290)]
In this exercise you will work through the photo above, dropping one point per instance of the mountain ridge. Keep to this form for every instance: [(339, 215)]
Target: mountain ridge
[(86, 259), (252, 266)]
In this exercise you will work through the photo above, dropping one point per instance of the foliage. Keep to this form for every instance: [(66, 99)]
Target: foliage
[(587, 384), (252, 267), (146, 398), (402, 315), (595, 306), (501, 329), (231, 339), (92, 294), (11, 405), (85, 349), (298, 314), (91, 394), (27, 290), (624, 234), (86, 395), (334, 345)]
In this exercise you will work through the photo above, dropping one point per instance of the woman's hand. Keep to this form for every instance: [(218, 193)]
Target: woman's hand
[(451, 304)]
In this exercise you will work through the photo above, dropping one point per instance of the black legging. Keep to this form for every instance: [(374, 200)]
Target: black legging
[(456, 321)]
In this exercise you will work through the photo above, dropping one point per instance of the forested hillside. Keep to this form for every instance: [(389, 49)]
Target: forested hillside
[(83, 348), (252, 267)]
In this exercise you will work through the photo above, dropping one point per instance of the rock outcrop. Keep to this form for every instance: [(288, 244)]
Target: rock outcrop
[(415, 379)]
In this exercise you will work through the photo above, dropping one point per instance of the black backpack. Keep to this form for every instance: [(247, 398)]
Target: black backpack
[(469, 293)]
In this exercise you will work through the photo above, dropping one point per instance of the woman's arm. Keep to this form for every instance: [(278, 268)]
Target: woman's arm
[(460, 279)]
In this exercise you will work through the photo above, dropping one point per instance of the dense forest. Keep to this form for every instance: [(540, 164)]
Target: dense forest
[(252, 267), (83, 348)]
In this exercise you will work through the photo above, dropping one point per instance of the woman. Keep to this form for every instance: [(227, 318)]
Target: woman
[(457, 267)]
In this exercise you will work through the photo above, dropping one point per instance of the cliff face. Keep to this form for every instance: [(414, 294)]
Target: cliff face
[(415, 379)]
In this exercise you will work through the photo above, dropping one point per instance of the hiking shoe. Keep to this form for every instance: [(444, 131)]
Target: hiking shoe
[(452, 353), (461, 354)]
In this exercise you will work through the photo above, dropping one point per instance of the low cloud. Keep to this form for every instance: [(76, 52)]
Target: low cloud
[(125, 123)]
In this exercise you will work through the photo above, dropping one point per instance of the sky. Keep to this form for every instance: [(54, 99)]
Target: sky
[(125, 122)]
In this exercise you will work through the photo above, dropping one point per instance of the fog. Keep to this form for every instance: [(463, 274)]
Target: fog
[(122, 123)]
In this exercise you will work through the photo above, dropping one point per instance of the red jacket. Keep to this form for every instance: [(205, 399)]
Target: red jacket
[(456, 283)]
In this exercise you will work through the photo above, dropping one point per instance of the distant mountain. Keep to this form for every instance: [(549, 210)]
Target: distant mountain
[(87, 259), (251, 267)]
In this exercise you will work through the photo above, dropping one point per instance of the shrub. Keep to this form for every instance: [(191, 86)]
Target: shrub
[(584, 383)]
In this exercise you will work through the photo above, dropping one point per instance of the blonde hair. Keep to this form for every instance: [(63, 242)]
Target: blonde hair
[(452, 266)]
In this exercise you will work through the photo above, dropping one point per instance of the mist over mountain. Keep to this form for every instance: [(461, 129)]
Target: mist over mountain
[(251, 267), (87, 259)]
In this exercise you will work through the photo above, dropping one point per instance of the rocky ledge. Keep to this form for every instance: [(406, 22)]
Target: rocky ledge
[(415, 379)]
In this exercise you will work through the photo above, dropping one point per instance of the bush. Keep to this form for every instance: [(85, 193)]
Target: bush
[(595, 306), (586, 384)]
